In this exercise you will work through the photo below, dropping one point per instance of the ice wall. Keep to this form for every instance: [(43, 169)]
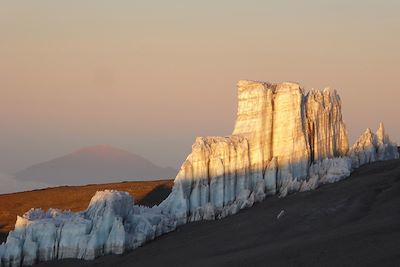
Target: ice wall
[(372, 147), (280, 132), (111, 224), (326, 130)]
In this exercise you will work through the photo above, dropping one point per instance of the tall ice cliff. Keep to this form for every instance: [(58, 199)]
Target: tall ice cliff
[(280, 133)]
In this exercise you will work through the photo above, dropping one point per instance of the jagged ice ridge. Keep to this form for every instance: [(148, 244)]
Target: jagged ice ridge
[(111, 224), (285, 140)]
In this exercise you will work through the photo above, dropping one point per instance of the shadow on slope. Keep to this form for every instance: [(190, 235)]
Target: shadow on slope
[(3, 234), (155, 196)]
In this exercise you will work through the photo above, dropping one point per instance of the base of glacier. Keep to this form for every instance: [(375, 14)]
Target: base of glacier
[(350, 223), (112, 224)]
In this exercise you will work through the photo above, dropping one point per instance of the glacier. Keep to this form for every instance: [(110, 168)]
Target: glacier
[(372, 147), (285, 140), (110, 224)]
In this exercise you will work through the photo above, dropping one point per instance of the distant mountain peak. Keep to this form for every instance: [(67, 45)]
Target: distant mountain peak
[(95, 164), (103, 149)]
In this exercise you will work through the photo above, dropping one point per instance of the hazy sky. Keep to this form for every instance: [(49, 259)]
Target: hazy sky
[(150, 76)]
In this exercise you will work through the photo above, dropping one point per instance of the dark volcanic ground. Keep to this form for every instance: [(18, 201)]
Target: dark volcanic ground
[(355, 222), (3, 237)]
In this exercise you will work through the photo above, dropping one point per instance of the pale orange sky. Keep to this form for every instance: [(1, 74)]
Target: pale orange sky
[(150, 77)]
